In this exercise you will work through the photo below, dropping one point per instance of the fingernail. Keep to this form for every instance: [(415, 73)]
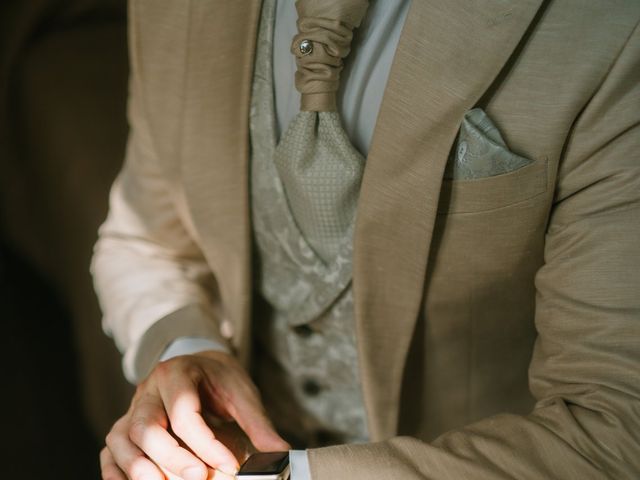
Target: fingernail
[(193, 473)]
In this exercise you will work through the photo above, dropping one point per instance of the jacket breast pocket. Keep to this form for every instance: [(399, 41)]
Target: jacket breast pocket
[(490, 193)]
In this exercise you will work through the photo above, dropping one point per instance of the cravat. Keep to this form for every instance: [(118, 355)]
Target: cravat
[(318, 166)]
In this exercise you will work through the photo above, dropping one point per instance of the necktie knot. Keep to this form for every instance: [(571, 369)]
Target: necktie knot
[(325, 31)]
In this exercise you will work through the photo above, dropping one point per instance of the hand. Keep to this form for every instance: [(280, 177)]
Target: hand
[(165, 429)]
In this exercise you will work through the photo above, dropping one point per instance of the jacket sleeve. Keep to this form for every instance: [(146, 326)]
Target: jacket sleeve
[(585, 369), (152, 280)]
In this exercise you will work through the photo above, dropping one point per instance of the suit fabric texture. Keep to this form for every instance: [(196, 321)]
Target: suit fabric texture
[(497, 318)]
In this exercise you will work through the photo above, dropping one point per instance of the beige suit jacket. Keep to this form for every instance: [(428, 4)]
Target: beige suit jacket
[(498, 319)]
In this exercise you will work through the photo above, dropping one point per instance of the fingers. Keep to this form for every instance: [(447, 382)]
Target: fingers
[(240, 398), (219, 475), (141, 444), (148, 431), (120, 454), (108, 468), (182, 402), (246, 408)]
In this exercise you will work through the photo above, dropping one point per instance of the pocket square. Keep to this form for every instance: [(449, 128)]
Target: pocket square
[(480, 150)]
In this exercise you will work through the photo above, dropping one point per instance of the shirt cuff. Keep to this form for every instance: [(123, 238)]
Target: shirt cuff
[(299, 462), (191, 345)]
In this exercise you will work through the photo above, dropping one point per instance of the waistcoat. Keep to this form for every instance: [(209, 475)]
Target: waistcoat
[(306, 357)]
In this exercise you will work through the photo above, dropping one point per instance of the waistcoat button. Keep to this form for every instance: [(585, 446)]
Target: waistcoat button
[(303, 331), (311, 387)]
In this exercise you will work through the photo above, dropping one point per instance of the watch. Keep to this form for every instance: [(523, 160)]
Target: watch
[(265, 466)]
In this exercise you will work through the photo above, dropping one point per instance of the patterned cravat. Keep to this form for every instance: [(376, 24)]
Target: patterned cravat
[(318, 166)]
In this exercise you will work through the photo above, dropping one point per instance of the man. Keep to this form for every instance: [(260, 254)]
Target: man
[(498, 208)]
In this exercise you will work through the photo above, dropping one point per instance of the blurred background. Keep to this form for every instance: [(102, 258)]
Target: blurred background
[(63, 87)]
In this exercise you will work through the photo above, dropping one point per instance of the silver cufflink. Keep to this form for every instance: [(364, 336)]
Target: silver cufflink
[(306, 47)]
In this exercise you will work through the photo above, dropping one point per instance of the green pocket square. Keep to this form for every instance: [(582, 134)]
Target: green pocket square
[(480, 150)]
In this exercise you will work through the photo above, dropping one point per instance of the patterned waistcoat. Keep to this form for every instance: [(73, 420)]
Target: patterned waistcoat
[(306, 362)]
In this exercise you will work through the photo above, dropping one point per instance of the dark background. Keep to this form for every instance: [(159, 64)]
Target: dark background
[(63, 87)]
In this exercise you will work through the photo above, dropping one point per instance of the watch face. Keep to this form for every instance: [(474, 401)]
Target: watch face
[(270, 463)]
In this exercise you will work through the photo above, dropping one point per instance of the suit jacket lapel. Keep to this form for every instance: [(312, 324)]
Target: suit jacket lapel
[(448, 55), (215, 150)]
